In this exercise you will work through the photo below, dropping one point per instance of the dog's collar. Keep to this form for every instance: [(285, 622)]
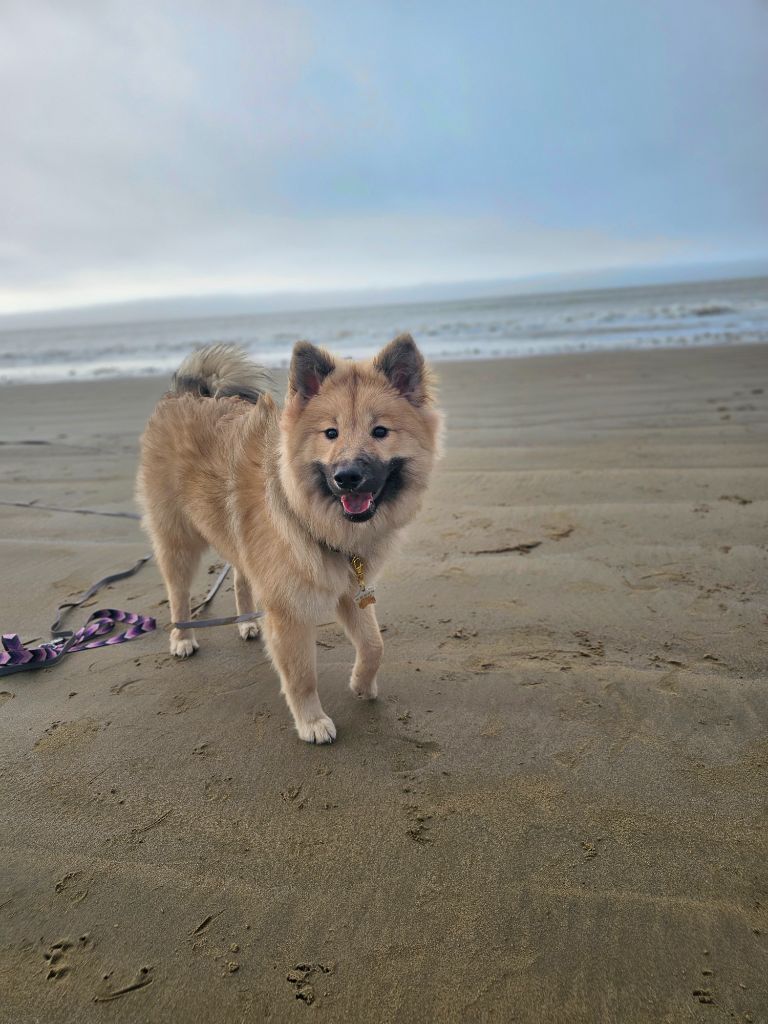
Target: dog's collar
[(365, 595)]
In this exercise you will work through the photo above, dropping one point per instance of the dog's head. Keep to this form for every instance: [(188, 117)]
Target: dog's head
[(358, 438)]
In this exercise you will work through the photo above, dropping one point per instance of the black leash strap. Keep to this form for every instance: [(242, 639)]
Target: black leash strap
[(228, 620), (78, 511), (64, 609), (210, 595)]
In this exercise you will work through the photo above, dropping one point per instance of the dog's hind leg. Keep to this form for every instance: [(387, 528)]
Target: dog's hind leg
[(178, 555), (361, 627), (291, 646), (245, 603)]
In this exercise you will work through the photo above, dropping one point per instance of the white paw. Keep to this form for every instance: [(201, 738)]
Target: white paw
[(248, 630), (183, 647), (368, 691), (319, 730)]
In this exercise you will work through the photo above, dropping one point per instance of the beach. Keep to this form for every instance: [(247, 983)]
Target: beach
[(556, 809)]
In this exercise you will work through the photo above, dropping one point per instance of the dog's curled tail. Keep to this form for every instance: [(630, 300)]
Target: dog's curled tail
[(221, 371)]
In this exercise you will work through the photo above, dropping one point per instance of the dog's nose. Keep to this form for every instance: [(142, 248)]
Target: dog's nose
[(348, 476)]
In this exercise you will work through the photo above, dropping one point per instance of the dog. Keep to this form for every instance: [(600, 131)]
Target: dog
[(305, 503)]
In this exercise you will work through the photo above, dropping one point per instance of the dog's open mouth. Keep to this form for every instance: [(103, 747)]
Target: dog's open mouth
[(360, 506), (356, 504)]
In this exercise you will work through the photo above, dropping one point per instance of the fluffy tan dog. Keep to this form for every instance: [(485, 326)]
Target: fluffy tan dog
[(304, 504)]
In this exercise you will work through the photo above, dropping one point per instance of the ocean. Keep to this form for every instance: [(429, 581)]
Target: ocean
[(680, 315)]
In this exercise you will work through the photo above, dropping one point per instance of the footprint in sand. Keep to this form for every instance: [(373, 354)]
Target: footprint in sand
[(418, 824), (68, 735), (303, 979), (119, 687), (62, 956), (71, 887)]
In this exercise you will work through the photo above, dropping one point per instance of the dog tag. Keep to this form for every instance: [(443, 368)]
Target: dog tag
[(365, 595)]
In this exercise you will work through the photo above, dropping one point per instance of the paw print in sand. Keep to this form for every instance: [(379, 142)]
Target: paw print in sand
[(304, 977)]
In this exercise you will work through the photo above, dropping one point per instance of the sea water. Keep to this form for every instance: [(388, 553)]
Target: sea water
[(690, 315)]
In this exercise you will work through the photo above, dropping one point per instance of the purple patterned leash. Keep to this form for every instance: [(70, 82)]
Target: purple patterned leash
[(18, 658)]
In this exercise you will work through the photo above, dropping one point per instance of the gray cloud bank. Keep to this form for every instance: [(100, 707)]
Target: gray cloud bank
[(185, 148)]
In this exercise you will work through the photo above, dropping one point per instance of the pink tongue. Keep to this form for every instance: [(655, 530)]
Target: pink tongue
[(356, 503)]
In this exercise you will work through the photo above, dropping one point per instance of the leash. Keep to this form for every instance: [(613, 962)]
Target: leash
[(79, 511), (18, 658), (56, 631), (228, 620), (363, 597)]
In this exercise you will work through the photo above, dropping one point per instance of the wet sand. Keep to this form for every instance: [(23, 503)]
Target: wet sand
[(556, 810)]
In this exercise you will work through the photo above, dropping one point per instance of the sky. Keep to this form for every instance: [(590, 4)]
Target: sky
[(193, 147)]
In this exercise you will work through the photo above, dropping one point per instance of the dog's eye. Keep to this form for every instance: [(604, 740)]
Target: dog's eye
[(331, 433), (379, 432)]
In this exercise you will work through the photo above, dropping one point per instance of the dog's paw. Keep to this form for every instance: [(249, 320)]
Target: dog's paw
[(248, 630), (367, 691), (319, 730), (183, 647)]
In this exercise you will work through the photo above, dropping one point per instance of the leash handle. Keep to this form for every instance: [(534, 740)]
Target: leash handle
[(18, 658)]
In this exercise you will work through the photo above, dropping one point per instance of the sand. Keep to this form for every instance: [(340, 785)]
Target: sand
[(555, 811)]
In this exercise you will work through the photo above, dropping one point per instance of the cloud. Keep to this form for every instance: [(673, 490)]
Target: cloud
[(285, 254), (172, 147)]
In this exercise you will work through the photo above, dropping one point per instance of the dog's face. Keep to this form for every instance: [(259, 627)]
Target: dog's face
[(359, 439)]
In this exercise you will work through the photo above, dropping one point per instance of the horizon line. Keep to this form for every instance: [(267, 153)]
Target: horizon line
[(759, 267)]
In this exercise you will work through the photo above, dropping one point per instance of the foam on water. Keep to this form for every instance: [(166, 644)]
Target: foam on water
[(685, 315)]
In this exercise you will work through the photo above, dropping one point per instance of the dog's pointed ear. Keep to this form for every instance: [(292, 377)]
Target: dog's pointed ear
[(403, 365), (309, 368)]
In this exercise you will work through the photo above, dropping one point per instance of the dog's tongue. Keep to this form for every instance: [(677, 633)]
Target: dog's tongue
[(356, 503)]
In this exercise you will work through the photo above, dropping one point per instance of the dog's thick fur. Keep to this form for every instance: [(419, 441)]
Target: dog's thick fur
[(287, 502)]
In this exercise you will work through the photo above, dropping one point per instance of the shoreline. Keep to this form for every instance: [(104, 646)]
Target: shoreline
[(281, 371)]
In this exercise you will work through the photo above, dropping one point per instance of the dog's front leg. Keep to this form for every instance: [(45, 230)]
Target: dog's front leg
[(362, 629), (291, 646)]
